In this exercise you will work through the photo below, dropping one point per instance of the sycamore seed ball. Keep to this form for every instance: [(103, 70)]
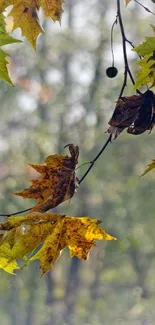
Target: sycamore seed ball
[(111, 72)]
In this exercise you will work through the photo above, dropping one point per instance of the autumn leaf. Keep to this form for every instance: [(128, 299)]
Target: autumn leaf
[(22, 236), (57, 183), (149, 168), (52, 8), (146, 115), (136, 113), (5, 39), (125, 113), (29, 23), (25, 15)]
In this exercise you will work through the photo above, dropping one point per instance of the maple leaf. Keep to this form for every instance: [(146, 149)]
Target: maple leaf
[(22, 235), (146, 74), (25, 15), (29, 23), (5, 39), (58, 182), (149, 168), (52, 8)]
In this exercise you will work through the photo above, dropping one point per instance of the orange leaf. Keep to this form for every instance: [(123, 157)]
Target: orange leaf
[(57, 183)]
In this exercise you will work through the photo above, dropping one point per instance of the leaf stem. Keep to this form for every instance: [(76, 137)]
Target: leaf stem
[(127, 70), (95, 159), (13, 214), (147, 9), (111, 41)]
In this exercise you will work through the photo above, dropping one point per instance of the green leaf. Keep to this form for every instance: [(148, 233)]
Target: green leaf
[(146, 74), (146, 47), (149, 168), (3, 67), (5, 38)]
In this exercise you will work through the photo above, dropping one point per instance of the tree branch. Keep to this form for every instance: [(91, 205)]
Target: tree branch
[(147, 9), (127, 70), (95, 159)]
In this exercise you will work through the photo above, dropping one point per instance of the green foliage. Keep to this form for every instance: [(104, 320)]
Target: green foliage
[(5, 39), (147, 72)]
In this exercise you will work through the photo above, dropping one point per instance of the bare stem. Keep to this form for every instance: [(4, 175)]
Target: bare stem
[(13, 214), (127, 70), (147, 9), (111, 40), (95, 159)]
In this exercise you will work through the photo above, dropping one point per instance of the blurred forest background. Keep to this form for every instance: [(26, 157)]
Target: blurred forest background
[(62, 95)]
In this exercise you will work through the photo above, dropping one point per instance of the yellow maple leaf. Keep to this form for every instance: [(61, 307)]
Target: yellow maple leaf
[(22, 235), (25, 17), (52, 8), (58, 182), (24, 13)]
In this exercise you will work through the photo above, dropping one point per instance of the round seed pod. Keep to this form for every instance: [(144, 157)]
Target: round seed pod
[(111, 72)]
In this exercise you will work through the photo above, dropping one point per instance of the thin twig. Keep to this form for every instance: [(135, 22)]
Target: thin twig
[(127, 70), (111, 40), (95, 159), (131, 44), (147, 9), (13, 214)]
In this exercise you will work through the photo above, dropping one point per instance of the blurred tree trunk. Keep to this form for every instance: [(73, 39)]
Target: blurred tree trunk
[(13, 304), (50, 300), (32, 296)]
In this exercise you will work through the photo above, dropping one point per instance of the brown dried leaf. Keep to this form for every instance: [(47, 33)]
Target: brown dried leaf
[(57, 183), (146, 115), (125, 113), (136, 113)]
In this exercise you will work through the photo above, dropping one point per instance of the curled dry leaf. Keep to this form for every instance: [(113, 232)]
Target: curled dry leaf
[(136, 113), (57, 183), (146, 115), (125, 113), (22, 236)]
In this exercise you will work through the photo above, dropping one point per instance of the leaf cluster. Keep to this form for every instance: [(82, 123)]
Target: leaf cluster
[(43, 235)]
